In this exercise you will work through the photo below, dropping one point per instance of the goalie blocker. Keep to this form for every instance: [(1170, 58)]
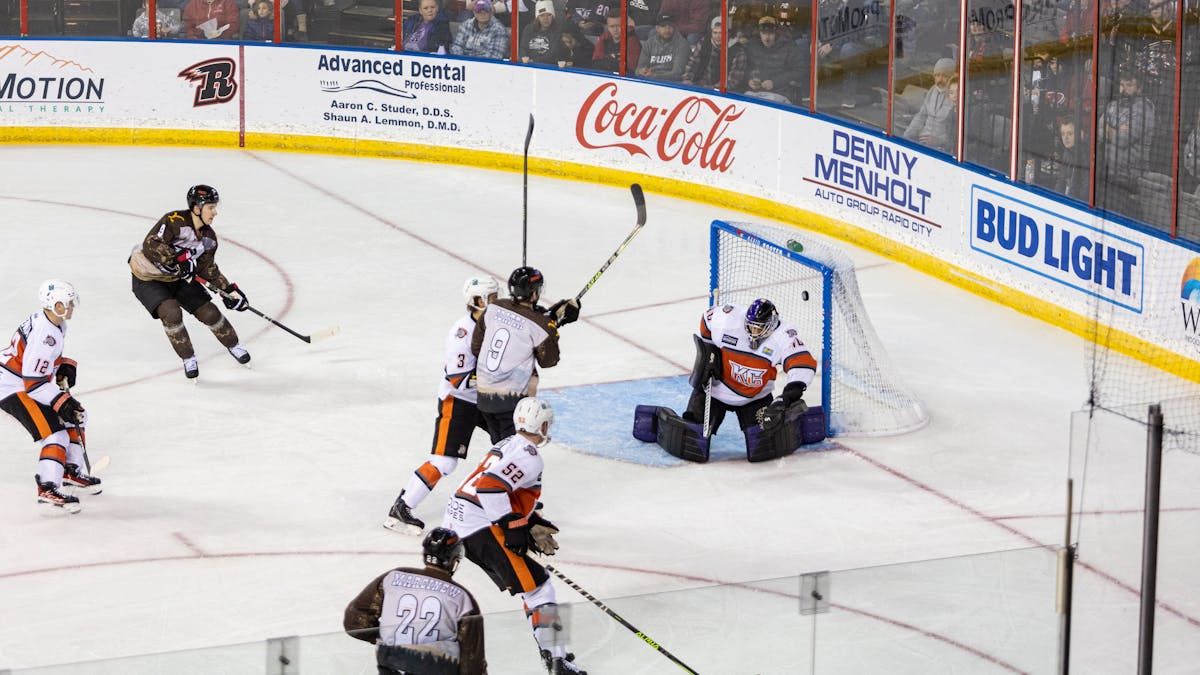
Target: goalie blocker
[(685, 440)]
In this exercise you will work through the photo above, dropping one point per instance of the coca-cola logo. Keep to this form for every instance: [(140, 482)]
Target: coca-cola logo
[(694, 131)]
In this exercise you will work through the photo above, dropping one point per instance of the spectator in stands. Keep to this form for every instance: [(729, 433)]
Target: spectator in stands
[(428, 31), (607, 55), (704, 67), (936, 123), (1072, 179), (775, 65), (294, 26), (502, 11), (644, 14), (260, 26), (211, 19), (483, 37), (575, 49), (665, 54), (691, 18), (168, 25), (590, 15), (1126, 131), (541, 40)]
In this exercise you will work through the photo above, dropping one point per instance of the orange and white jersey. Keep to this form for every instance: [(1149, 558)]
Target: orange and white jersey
[(459, 372), (32, 358), (509, 480), (748, 373)]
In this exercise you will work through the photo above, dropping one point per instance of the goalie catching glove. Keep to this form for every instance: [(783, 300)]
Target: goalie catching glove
[(772, 416), (533, 532), (565, 311)]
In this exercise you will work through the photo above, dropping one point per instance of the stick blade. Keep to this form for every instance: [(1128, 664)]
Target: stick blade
[(639, 202), (323, 334)]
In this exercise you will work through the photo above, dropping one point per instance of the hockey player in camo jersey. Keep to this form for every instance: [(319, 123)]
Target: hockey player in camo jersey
[(421, 621), (181, 246), (34, 383), (512, 339), (748, 344), (496, 512), (457, 416)]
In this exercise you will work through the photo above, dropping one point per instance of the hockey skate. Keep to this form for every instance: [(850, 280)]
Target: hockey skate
[(73, 477), (561, 665), (401, 519), (239, 352), (191, 368), (48, 493)]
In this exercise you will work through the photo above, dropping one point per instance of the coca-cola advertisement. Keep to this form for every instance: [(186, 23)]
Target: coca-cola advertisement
[(695, 130)]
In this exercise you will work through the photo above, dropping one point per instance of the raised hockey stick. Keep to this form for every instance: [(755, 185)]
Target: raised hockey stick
[(525, 195), (319, 335), (603, 607), (639, 201)]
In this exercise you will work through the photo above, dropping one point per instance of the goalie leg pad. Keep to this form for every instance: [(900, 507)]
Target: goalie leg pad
[(645, 423), (680, 438), (812, 425)]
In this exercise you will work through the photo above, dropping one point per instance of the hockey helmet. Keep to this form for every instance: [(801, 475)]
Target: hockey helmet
[(761, 320), (534, 416), (525, 283), (443, 549), (479, 287), (199, 195), (54, 291)]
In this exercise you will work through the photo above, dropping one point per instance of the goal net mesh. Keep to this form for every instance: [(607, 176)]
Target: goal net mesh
[(813, 285)]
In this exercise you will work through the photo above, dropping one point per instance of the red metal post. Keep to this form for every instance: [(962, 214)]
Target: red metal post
[(624, 36), (279, 21), (891, 93), (398, 13), (1014, 157), (1096, 36), (1179, 36), (814, 40), (962, 78), (24, 18), (514, 14), (724, 44), (152, 18)]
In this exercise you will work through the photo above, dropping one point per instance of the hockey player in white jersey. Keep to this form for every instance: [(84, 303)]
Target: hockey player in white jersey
[(447, 636), (34, 384), (457, 416), (749, 343), (495, 510)]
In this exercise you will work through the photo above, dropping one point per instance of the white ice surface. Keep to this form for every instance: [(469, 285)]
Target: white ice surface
[(248, 505)]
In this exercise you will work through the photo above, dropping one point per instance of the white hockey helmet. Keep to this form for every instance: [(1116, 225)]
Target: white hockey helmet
[(534, 416), (479, 287), (54, 291)]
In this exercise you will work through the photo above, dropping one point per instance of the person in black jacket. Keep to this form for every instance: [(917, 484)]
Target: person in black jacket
[(540, 40)]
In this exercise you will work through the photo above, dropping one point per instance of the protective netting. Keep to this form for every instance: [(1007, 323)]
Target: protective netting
[(814, 287)]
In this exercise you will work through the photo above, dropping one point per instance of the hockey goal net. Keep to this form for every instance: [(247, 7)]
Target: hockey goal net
[(813, 285)]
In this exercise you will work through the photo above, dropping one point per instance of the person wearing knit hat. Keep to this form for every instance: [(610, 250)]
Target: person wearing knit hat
[(937, 119), (484, 37), (541, 39), (665, 54)]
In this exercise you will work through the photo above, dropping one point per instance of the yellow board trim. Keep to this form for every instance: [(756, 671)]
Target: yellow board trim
[(1084, 327)]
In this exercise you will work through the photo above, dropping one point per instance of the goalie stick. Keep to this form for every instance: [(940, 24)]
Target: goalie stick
[(525, 195), (319, 335), (603, 607), (639, 202)]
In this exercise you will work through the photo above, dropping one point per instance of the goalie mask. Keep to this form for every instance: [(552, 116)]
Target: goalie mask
[(534, 416), (443, 549), (761, 320), (479, 288), (54, 291)]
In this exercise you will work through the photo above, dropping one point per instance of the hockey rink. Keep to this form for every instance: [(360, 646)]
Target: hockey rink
[(248, 505)]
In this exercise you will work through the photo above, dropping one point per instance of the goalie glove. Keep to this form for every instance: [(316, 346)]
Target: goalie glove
[(565, 311), (542, 532), (773, 415)]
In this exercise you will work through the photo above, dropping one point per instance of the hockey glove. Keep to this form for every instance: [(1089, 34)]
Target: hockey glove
[(183, 266), (542, 532), (65, 375), (234, 298), (772, 416), (516, 538), (69, 409), (565, 311)]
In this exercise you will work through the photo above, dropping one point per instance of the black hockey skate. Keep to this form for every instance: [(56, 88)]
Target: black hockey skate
[(73, 477), (239, 352), (561, 665), (48, 493), (191, 368), (401, 519)]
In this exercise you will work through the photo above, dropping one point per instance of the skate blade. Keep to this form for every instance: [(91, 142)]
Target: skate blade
[(71, 508), (82, 490), (397, 525)]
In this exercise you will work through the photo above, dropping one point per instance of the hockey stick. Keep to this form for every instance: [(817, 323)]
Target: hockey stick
[(639, 201), (319, 335), (525, 195), (645, 638), (708, 402)]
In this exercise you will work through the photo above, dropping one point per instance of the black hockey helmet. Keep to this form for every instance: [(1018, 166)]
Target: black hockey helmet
[(761, 319), (443, 549), (199, 195), (524, 283)]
